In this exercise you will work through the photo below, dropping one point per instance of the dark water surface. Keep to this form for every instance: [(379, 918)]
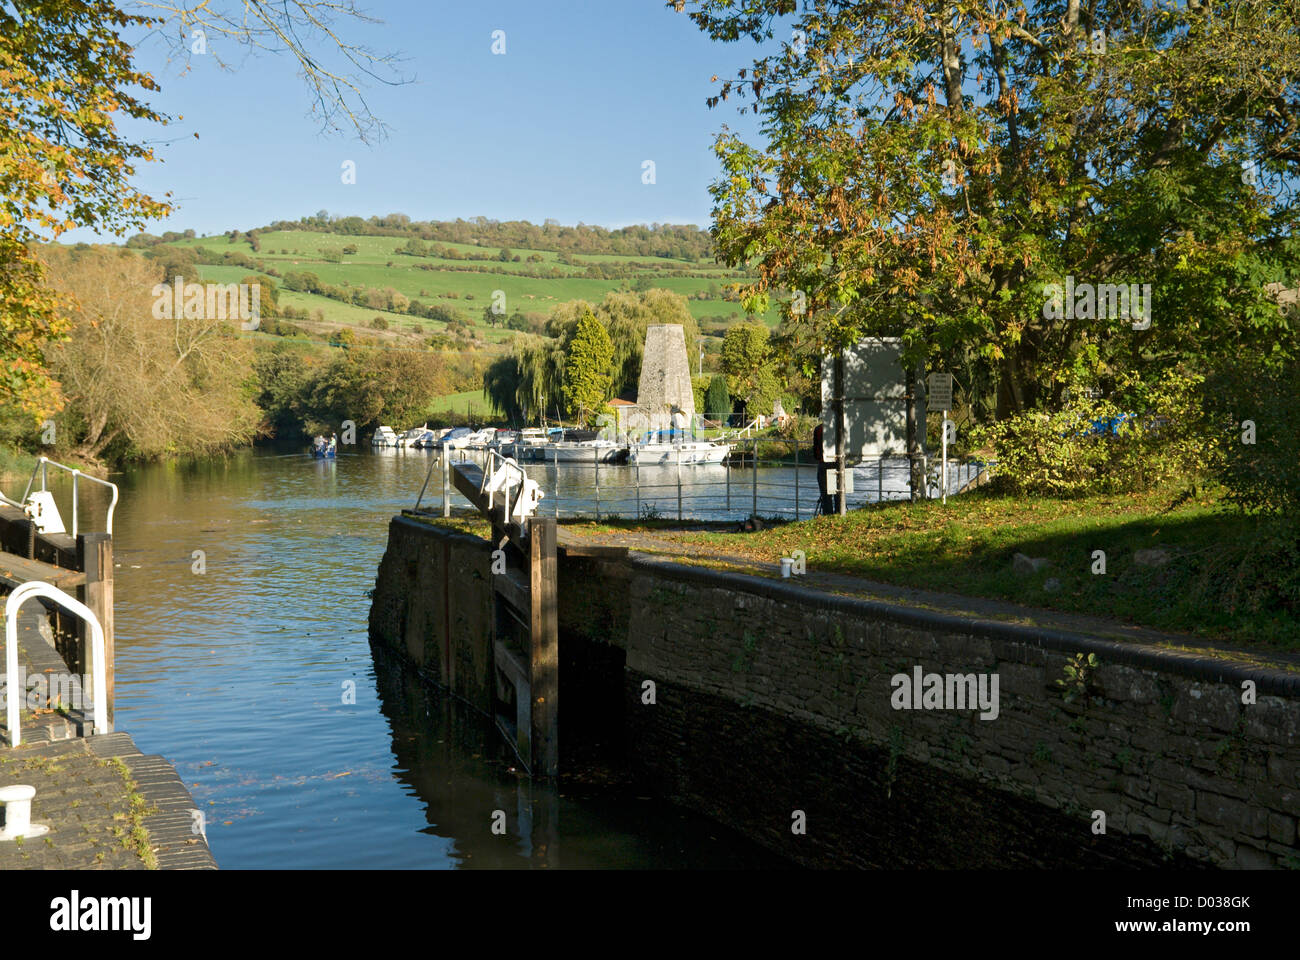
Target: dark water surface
[(238, 676)]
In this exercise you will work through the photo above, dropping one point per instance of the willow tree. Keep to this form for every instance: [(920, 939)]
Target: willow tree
[(139, 385), (927, 168), (626, 314)]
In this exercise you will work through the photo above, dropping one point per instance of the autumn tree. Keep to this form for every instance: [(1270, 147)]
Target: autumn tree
[(928, 169), (66, 80), (147, 387)]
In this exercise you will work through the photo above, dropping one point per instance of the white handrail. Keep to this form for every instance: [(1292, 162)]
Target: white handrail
[(76, 475), (742, 432), (99, 675)]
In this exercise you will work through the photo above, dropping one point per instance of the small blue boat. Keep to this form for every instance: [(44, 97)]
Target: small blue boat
[(322, 449)]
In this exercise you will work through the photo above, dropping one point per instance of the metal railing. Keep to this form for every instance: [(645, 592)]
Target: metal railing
[(766, 476), (41, 468), (99, 671)]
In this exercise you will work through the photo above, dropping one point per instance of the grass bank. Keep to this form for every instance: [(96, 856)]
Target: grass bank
[(1211, 572), (15, 466)]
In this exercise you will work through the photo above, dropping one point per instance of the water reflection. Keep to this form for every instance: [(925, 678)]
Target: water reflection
[(255, 678)]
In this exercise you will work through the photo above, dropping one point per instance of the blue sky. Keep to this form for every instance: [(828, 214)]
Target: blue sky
[(557, 127)]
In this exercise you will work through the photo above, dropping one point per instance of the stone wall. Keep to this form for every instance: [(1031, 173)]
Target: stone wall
[(432, 606), (770, 700), (784, 699)]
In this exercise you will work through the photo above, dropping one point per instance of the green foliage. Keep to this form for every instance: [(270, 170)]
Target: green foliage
[(1078, 673), (1145, 438), (748, 364), (368, 386), (926, 174), (717, 399), (1261, 467), (587, 374)]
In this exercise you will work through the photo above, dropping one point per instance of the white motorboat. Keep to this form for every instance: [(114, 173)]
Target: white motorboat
[(481, 440), (410, 437), (685, 452), (581, 451), (438, 437), (528, 444), (385, 437)]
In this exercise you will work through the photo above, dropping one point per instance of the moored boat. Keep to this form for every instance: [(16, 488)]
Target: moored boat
[(384, 437), (409, 439), (685, 452)]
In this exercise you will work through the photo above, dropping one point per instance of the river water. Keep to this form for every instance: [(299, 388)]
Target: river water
[(241, 610)]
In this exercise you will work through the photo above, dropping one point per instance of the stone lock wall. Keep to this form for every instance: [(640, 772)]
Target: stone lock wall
[(783, 700), (432, 606), (773, 704)]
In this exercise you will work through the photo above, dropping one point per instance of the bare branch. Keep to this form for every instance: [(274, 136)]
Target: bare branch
[(314, 32)]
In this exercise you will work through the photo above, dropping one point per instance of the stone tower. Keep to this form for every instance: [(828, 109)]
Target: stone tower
[(665, 385)]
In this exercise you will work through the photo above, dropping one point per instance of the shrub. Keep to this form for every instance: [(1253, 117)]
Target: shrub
[(1149, 434), (1248, 408)]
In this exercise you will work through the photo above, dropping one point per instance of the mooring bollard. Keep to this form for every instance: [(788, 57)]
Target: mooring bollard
[(17, 800), (595, 456), (755, 510)]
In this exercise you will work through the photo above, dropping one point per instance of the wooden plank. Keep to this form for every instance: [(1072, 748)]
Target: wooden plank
[(517, 673), (510, 664), (599, 551), (95, 551), (544, 645), (16, 570), (513, 589)]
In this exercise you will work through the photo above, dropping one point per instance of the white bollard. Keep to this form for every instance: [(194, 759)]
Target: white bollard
[(17, 800)]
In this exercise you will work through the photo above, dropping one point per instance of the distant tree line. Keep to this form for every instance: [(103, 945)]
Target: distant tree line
[(675, 241)]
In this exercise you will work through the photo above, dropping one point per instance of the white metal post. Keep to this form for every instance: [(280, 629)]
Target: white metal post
[(945, 457), (446, 482)]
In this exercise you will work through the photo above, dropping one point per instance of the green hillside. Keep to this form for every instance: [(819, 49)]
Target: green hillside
[(532, 281)]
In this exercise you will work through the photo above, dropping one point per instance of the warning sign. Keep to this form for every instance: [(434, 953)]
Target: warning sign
[(939, 388)]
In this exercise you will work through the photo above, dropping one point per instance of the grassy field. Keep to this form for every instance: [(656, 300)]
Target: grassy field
[(1226, 577), (431, 280), (469, 401)]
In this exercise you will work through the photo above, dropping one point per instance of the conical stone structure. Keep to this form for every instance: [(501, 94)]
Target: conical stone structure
[(665, 385)]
